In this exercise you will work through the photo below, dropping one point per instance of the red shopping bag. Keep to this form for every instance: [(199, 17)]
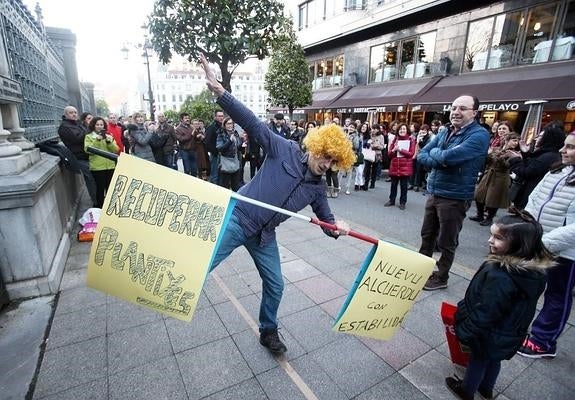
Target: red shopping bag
[(459, 354)]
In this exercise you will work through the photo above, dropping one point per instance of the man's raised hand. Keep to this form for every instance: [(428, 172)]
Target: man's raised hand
[(211, 81)]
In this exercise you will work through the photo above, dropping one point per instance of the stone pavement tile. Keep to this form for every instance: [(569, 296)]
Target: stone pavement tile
[(95, 390), (79, 299), (159, 379), (278, 386), (212, 367), (78, 255), (424, 322), (393, 387), (77, 326), (236, 285), (230, 317), (402, 349), (205, 327), (138, 345), (428, 373), (320, 288), (309, 247), (532, 385), (345, 276), (560, 368), (258, 357), (70, 366), (203, 302), (226, 268), (298, 270), (333, 306), (351, 254), (286, 255), (293, 300), (317, 379), (248, 389), (351, 365), (73, 279), (77, 261), (326, 263), (510, 371), (311, 328), (123, 315), (252, 280), (22, 330)]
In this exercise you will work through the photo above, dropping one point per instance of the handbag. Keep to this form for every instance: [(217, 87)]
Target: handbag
[(229, 165), (515, 188), (358, 160), (368, 154)]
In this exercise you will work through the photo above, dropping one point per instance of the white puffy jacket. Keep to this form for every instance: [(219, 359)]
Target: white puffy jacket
[(553, 204)]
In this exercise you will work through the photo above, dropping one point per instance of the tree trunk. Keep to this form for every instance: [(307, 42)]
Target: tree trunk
[(226, 76)]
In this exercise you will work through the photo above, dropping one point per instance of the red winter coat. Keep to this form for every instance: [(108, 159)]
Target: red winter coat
[(402, 164), (116, 131)]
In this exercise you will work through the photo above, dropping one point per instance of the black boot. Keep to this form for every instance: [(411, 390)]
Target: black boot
[(456, 386), (272, 341)]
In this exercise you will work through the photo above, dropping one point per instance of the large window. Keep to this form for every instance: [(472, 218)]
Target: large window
[(327, 72), (406, 59), (491, 42), (527, 36)]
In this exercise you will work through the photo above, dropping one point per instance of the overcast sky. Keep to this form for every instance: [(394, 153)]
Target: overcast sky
[(101, 27)]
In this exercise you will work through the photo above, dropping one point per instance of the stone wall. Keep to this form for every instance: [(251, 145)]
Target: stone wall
[(38, 210)]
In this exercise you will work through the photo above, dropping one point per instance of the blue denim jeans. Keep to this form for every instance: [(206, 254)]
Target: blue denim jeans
[(267, 260), (214, 168), (190, 162)]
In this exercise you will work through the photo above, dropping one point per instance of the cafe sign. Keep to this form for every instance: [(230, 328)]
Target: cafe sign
[(490, 107), (571, 105)]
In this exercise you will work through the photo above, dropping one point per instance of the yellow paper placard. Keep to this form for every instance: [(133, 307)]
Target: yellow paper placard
[(156, 237), (384, 291)]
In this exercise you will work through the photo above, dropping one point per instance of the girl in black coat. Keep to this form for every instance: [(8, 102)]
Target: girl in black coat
[(499, 304)]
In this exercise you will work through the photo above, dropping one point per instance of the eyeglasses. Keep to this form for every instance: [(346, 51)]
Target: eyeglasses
[(461, 108)]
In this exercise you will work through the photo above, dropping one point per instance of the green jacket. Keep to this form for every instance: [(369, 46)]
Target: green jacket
[(99, 163)]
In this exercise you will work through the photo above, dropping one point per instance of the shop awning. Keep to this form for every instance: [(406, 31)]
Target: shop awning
[(324, 97), (506, 89), (389, 96), (320, 99)]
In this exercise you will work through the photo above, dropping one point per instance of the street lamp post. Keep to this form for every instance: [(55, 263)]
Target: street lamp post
[(150, 98), (146, 46)]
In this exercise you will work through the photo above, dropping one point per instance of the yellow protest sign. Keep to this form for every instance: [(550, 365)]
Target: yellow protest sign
[(384, 291), (156, 237)]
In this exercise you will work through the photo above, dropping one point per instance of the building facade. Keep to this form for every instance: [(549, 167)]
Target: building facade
[(407, 60), (175, 83)]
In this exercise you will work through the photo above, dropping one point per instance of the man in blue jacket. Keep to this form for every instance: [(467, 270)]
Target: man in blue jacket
[(289, 179), (454, 157)]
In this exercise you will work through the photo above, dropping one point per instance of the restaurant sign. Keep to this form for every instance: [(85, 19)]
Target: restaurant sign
[(571, 105), (490, 107)]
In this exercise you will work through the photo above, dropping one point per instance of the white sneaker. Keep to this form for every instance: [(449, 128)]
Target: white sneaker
[(347, 192)]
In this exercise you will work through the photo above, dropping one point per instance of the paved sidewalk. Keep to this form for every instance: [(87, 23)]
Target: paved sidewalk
[(103, 348)]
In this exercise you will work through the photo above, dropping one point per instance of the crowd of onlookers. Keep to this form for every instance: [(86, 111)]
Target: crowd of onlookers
[(452, 163)]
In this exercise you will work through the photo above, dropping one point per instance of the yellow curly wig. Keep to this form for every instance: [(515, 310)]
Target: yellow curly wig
[(331, 140)]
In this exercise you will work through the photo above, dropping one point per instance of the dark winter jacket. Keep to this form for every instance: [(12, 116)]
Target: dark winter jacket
[(211, 137), (282, 181), (530, 170), (72, 134), (499, 305), (455, 162)]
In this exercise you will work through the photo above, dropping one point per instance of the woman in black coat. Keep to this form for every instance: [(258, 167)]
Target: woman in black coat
[(532, 166)]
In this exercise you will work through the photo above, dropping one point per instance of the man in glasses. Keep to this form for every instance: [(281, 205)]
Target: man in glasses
[(455, 157)]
